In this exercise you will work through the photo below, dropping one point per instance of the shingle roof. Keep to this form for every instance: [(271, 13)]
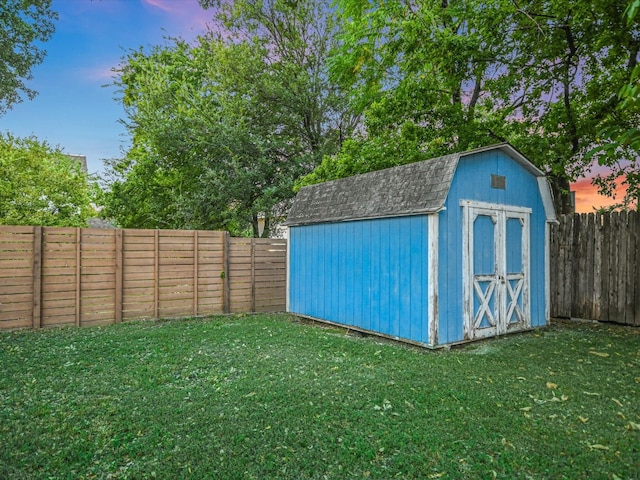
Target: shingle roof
[(411, 189), (416, 188)]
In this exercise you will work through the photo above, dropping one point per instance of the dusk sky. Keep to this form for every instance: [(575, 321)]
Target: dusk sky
[(76, 111)]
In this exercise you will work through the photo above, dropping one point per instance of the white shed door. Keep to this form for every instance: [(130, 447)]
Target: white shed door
[(495, 269)]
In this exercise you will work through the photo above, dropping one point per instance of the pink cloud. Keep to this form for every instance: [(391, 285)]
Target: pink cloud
[(187, 14), (99, 72), (165, 5)]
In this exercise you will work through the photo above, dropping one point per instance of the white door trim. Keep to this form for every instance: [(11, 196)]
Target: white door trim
[(505, 296)]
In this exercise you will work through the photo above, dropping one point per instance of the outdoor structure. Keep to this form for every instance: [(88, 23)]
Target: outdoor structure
[(434, 253)]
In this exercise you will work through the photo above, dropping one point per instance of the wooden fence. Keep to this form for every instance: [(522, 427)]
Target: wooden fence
[(81, 276), (595, 271)]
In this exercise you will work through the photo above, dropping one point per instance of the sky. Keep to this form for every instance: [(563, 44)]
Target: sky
[(77, 108)]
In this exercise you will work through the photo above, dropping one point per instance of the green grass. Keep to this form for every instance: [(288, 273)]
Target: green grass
[(269, 397)]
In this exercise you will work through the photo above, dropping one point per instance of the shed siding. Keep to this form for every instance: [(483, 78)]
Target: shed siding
[(472, 181), (370, 274)]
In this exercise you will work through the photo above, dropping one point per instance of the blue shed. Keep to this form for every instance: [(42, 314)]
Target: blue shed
[(434, 253)]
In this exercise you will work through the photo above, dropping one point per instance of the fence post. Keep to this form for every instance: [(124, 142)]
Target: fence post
[(226, 294), (253, 275), (156, 275), (634, 224), (36, 320), (78, 273), (195, 272), (119, 275), (597, 267)]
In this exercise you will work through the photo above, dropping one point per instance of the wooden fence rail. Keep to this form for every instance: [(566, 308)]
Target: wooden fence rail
[(81, 276), (595, 267)]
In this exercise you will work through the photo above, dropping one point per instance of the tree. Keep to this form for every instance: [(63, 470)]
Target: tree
[(23, 23), (222, 129), (438, 76), (298, 38), (620, 148), (418, 72), (40, 185), (580, 55), (207, 152)]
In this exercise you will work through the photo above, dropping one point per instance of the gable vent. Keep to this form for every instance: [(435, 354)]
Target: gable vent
[(499, 182)]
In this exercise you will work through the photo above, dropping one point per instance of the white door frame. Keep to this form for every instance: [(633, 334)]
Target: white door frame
[(499, 285)]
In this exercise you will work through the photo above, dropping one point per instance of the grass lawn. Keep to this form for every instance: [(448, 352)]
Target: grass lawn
[(269, 397)]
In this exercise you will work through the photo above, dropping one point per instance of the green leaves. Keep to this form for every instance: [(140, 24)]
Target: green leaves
[(632, 11), (23, 25), (543, 75), (619, 147), (222, 128), (419, 72), (39, 185), (202, 148)]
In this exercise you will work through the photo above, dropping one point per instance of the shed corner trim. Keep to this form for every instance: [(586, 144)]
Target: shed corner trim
[(432, 282)]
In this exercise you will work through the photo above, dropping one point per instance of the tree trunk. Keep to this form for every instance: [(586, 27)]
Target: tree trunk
[(254, 225), (560, 189)]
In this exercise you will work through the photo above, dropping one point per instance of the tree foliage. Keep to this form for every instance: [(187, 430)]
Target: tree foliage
[(221, 129), (619, 150), (23, 23), (298, 38), (433, 76), (192, 124), (39, 185), (210, 149)]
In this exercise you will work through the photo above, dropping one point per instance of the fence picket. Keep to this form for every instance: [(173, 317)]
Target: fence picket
[(636, 275)]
